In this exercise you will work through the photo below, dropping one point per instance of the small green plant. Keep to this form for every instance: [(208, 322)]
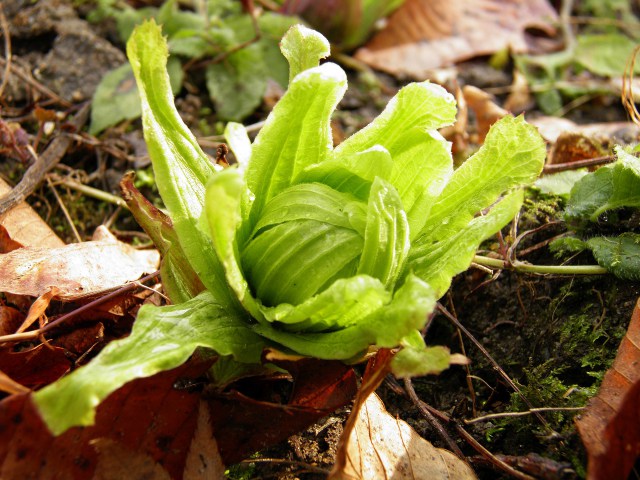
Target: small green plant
[(301, 247), (602, 211), (239, 64)]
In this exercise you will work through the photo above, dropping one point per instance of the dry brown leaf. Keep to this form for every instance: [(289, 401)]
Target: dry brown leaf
[(203, 460), (383, 447), (25, 225), (116, 461), (77, 270), (423, 35), (7, 384), (486, 110), (610, 426)]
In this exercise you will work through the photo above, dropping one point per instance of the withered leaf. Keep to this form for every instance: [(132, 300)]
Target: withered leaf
[(77, 270), (610, 426), (424, 35), (383, 447)]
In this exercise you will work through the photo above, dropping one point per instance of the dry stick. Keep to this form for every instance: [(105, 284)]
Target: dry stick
[(433, 421), (49, 158), (493, 416), (65, 212), (35, 84), (627, 88), (587, 162), (491, 457), (495, 366), (7, 49), (308, 467), (18, 337)]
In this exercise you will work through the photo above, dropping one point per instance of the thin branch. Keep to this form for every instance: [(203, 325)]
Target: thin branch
[(493, 416), (433, 421), (45, 162), (494, 364)]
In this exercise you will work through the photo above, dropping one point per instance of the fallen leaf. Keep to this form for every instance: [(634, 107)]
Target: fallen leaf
[(10, 320), (612, 132), (244, 425), (610, 426), (9, 385), (118, 461), (424, 35), (35, 367), (486, 110), (77, 270), (383, 447), (150, 416), (25, 226), (81, 340), (203, 460), (38, 307)]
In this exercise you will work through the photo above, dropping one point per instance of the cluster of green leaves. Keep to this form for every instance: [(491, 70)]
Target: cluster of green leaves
[(602, 48), (602, 210), (301, 247), (236, 83)]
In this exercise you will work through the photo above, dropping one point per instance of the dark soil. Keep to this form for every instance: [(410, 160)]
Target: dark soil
[(553, 336)]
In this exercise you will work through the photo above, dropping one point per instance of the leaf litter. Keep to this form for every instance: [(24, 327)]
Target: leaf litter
[(120, 447)]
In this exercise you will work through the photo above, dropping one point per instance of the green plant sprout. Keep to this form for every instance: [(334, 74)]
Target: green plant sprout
[(313, 250)]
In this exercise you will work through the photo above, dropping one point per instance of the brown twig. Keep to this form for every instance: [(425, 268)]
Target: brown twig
[(495, 365), (433, 421), (587, 162), (32, 335), (7, 50), (491, 458), (35, 84), (627, 87), (45, 162)]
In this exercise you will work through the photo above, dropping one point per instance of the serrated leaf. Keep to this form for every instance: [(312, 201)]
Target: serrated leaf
[(162, 338), (180, 166), (620, 255), (303, 48), (513, 155), (437, 262), (610, 187), (296, 134)]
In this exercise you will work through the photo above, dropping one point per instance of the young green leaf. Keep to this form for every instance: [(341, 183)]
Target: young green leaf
[(513, 154), (223, 210), (238, 139), (610, 187), (296, 134), (418, 106), (385, 327), (386, 238), (162, 338), (181, 168), (416, 358), (620, 255), (303, 48), (437, 263)]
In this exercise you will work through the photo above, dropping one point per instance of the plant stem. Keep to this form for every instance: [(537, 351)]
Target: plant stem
[(540, 269)]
